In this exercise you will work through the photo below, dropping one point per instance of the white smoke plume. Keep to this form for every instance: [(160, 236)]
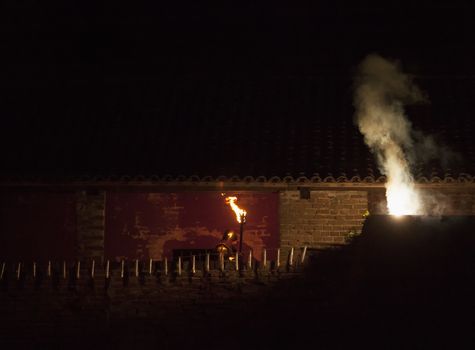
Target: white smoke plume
[(381, 92)]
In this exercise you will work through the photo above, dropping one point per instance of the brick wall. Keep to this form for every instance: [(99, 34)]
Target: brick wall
[(327, 217), (90, 210)]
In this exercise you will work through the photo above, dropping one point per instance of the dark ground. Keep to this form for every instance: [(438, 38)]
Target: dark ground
[(410, 285)]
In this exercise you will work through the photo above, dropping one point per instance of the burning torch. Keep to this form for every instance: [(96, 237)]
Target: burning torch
[(240, 217)]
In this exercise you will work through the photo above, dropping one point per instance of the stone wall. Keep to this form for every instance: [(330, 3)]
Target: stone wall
[(151, 309), (326, 218), (90, 210)]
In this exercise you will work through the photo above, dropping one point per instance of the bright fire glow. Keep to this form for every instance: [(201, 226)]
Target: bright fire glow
[(401, 195), (402, 201), (382, 90), (240, 213)]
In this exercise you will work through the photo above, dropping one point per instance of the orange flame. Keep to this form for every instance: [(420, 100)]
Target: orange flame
[(240, 213)]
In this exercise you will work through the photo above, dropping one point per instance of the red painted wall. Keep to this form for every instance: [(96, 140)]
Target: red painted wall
[(151, 225), (37, 226)]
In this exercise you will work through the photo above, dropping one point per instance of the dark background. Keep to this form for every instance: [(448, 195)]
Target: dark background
[(163, 88), (94, 89)]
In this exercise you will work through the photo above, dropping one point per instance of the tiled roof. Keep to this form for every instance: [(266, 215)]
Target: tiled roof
[(206, 129)]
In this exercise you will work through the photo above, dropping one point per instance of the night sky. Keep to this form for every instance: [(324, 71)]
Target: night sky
[(88, 88)]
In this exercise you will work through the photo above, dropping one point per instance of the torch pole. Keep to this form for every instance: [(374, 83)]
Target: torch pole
[(241, 232)]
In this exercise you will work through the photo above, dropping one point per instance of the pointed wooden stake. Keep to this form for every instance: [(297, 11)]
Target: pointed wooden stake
[(303, 254), (179, 266), (93, 267), (2, 271), (18, 271)]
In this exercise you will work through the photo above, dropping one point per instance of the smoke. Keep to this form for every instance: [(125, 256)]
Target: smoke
[(381, 92)]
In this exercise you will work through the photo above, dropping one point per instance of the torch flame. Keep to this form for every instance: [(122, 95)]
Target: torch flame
[(240, 213)]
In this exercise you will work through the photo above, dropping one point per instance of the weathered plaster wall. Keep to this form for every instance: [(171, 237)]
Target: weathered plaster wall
[(154, 225)]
